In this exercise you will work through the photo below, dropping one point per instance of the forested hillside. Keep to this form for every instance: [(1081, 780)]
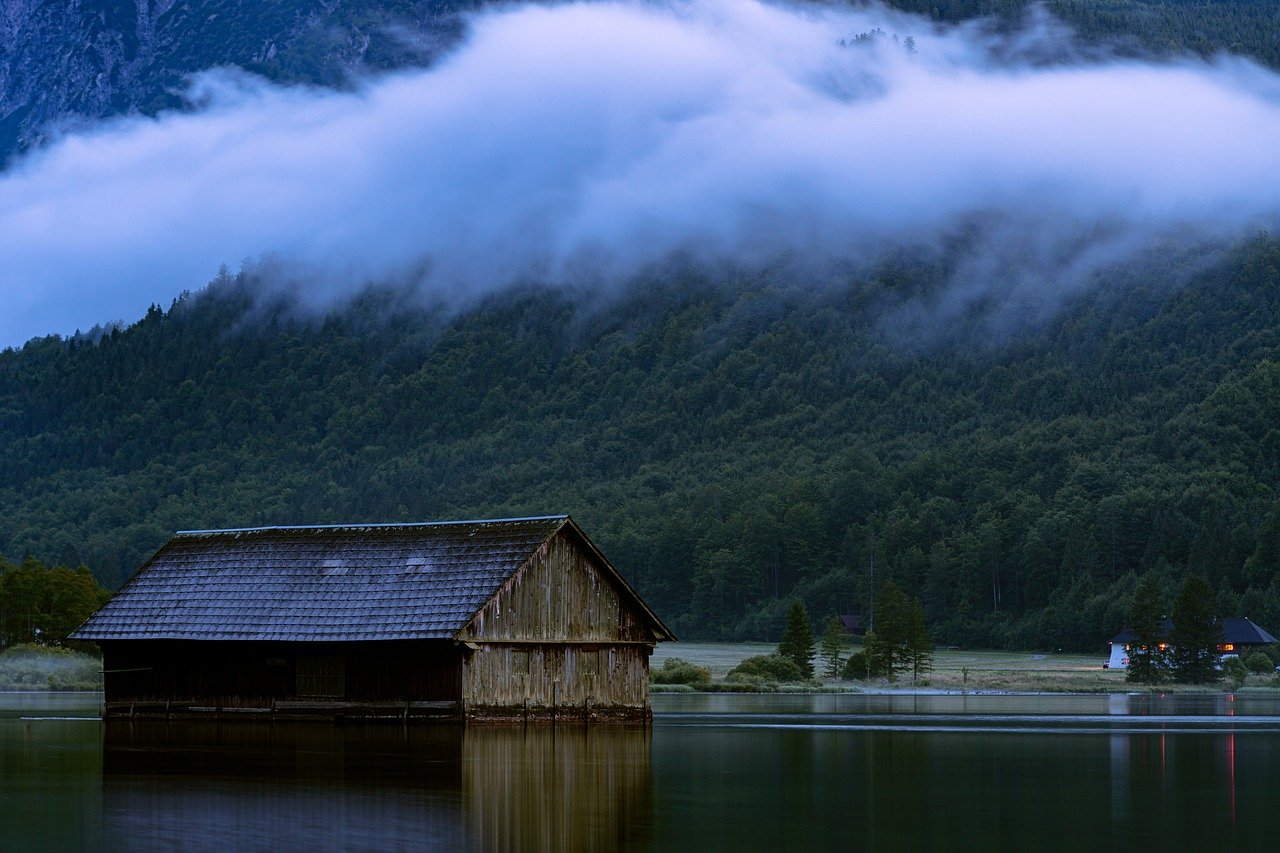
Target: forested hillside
[(730, 443), (733, 439)]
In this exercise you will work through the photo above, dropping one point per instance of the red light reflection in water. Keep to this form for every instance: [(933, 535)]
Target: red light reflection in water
[(1231, 759), (1231, 771)]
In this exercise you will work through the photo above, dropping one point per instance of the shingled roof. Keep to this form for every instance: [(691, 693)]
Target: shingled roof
[(335, 583), (1235, 629)]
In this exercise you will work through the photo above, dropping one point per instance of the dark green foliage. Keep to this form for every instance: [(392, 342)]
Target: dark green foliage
[(1164, 28), (679, 671), (731, 447), (833, 640), (42, 604), (856, 667), (900, 642), (797, 639), (1147, 661), (765, 668), (919, 646), (1235, 672), (1258, 663), (1196, 634)]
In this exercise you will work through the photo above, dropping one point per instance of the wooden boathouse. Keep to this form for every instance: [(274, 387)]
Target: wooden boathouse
[(509, 620)]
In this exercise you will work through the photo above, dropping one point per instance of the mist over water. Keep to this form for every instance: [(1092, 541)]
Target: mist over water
[(577, 143)]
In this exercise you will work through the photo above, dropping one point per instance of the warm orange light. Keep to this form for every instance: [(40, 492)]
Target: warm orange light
[(1164, 647)]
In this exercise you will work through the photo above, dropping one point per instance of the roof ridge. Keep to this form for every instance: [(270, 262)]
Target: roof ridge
[(367, 526)]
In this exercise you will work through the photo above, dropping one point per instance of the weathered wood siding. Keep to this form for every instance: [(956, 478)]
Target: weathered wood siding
[(558, 641), (557, 681), (559, 594)]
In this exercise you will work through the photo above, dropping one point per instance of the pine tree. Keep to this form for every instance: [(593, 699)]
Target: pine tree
[(919, 647), (888, 649), (1196, 634), (797, 639), (1147, 662), (877, 655), (832, 646)]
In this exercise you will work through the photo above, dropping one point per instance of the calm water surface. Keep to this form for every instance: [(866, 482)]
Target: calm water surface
[(846, 772)]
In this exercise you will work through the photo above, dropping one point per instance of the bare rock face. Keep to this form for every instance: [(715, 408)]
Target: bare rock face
[(67, 62)]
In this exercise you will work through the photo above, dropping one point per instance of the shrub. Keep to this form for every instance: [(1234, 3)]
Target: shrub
[(680, 671), (31, 667), (855, 668), (1259, 663), (1235, 671), (670, 688), (762, 668)]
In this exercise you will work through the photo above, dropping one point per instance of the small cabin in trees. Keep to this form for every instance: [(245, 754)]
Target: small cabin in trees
[(1239, 635), (502, 620)]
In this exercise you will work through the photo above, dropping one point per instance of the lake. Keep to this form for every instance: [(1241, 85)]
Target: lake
[(767, 772)]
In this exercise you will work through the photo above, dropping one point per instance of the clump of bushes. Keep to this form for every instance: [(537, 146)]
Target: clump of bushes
[(1235, 671), (680, 671), (857, 667), (31, 667), (763, 669), (1259, 663)]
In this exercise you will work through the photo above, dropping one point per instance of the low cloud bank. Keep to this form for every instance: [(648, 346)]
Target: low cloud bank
[(591, 139)]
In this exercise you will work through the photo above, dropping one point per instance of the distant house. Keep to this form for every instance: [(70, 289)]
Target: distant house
[(853, 625), (514, 619), (1238, 635)]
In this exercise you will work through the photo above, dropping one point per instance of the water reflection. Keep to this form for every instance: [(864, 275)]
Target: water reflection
[(953, 772), (209, 786), (716, 772)]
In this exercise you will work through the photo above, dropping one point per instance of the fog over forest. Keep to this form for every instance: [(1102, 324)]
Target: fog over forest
[(572, 144), (763, 295)]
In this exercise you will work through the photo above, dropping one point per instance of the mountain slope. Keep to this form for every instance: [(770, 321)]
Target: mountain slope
[(63, 62), (730, 444)]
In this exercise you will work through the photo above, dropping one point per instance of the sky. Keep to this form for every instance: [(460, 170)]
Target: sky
[(583, 141)]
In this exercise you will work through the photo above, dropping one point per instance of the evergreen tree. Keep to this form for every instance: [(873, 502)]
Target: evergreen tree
[(1196, 633), (832, 646), (876, 655), (797, 639), (889, 651), (1147, 661), (919, 647)]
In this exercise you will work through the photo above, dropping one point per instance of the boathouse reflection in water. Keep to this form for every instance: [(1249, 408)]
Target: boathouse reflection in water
[(207, 786)]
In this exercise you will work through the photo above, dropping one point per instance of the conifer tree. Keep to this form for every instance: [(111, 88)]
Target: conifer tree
[(1147, 662), (919, 646), (797, 639), (832, 646), (888, 649), (1196, 633)]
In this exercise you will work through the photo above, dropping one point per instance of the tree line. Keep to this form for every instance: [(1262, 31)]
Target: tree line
[(42, 604), (732, 443)]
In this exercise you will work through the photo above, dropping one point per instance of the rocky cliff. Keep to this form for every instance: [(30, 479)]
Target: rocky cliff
[(64, 62)]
